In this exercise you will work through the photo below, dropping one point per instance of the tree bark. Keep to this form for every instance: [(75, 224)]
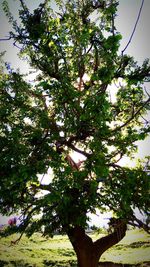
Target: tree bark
[(89, 252)]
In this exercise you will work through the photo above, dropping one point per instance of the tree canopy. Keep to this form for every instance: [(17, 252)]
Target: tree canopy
[(71, 107)]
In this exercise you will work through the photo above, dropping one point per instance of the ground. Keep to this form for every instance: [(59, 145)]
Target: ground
[(38, 251)]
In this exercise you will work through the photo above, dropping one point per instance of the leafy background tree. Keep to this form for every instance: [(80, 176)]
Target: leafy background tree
[(70, 108)]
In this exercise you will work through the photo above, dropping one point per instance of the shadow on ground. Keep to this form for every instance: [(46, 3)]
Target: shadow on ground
[(67, 264), (111, 264)]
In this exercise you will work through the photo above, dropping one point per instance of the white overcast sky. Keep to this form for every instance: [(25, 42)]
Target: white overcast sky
[(125, 21)]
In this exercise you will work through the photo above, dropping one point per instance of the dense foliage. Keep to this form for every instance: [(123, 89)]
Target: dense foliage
[(71, 107)]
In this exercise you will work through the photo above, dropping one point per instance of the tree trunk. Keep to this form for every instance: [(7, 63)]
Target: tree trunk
[(89, 252), (83, 246)]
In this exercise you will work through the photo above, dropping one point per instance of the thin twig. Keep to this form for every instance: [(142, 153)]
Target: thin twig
[(14, 242), (146, 91), (89, 49), (5, 39), (14, 44), (137, 20)]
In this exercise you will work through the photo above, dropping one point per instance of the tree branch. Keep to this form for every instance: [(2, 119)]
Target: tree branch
[(23, 5), (44, 187), (138, 223), (14, 242), (6, 39), (79, 151), (132, 117), (104, 243)]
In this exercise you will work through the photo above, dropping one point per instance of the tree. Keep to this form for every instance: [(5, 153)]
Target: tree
[(70, 108)]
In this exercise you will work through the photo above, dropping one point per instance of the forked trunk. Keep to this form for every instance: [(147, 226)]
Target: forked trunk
[(89, 252), (84, 248)]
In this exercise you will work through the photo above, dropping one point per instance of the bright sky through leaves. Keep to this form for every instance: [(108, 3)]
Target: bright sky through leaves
[(127, 13)]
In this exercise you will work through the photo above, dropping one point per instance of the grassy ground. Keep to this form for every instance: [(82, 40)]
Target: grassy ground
[(41, 252)]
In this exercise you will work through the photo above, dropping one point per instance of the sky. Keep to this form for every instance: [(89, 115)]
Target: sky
[(125, 21)]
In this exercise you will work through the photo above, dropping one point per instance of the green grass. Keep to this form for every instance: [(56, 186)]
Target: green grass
[(41, 252), (133, 249)]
